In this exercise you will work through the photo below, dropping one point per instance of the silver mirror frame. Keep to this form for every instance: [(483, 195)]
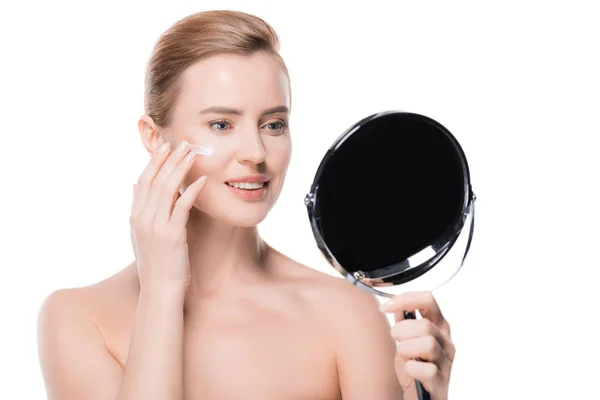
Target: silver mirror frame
[(425, 259)]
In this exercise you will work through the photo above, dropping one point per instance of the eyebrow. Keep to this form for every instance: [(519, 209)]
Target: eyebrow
[(228, 110)]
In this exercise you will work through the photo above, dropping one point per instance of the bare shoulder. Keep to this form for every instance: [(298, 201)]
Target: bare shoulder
[(352, 318), (64, 312), (73, 356), (330, 294), (92, 300), (67, 303), (91, 313)]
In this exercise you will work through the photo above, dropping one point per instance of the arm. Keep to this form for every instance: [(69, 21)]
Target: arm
[(155, 361), (365, 349), (77, 365)]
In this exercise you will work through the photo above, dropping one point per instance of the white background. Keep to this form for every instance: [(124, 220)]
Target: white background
[(516, 82)]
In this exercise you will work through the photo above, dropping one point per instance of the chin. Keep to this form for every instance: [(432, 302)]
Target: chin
[(246, 221), (234, 213), (244, 217)]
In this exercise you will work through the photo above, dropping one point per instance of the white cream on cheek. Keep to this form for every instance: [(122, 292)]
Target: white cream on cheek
[(202, 149)]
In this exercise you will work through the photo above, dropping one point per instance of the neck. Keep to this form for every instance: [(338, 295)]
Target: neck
[(223, 257)]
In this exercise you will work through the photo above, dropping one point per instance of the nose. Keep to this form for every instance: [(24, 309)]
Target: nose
[(251, 149)]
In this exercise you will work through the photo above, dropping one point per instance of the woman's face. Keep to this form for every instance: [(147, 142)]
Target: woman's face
[(238, 106)]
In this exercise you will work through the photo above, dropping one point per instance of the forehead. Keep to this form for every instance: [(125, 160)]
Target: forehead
[(252, 82)]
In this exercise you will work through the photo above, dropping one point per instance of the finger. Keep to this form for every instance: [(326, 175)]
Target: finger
[(422, 301), (144, 183), (161, 177), (425, 348), (399, 316), (184, 204), (426, 373), (170, 189), (416, 328)]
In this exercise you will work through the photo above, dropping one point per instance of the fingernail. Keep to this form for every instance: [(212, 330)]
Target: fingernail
[(164, 147), (190, 157), (182, 147), (385, 306)]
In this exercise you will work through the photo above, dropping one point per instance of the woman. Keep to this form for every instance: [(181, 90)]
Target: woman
[(208, 309)]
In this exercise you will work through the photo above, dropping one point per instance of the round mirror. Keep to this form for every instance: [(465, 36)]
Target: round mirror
[(390, 199)]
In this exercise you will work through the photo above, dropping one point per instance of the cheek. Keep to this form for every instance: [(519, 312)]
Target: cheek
[(212, 167), (279, 152), (221, 154)]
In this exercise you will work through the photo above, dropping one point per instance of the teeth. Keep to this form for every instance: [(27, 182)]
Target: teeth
[(247, 185)]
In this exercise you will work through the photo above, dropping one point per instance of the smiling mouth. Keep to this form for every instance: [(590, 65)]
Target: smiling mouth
[(247, 185)]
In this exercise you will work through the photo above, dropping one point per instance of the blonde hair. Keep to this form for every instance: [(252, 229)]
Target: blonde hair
[(193, 38)]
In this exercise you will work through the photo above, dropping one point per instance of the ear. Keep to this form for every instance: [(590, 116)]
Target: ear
[(150, 134)]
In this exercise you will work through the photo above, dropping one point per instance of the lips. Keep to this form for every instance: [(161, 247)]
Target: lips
[(257, 178), (256, 192), (249, 187)]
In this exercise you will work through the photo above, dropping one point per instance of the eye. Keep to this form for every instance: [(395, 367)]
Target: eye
[(221, 123), (280, 125)]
